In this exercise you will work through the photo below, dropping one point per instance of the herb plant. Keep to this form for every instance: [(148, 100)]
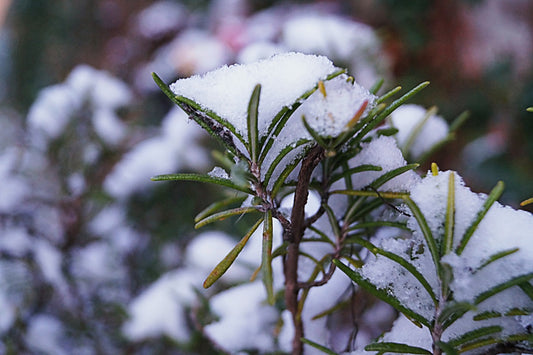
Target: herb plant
[(294, 129)]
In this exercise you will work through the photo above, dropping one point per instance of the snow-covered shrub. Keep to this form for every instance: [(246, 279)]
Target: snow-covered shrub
[(305, 148)]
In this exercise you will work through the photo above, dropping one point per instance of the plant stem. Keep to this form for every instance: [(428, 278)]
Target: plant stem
[(293, 235)]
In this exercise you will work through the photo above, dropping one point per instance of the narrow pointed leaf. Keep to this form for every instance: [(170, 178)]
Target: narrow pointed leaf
[(223, 215), (453, 311), (390, 347), (493, 196), (282, 154), (459, 121), (316, 136), (217, 206), (387, 111), (527, 288), (228, 260), (497, 256), (495, 340), (389, 94), (366, 193), (279, 121), (378, 224), (266, 259), (253, 133), (332, 221), (202, 112), (318, 346), (381, 293), (404, 263), (450, 216), (389, 175), (426, 232), (202, 178), (487, 315), (282, 178), (447, 348), (375, 88), (503, 286), (474, 334), (201, 120), (355, 170), (387, 132)]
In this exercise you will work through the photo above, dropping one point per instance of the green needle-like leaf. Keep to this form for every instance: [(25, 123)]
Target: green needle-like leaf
[(398, 259), (527, 288), (453, 311), (266, 260), (318, 346), (450, 216), (217, 206), (397, 348), (475, 334), (282, 154), (253, 133), (365, 193), (387, 111), (426, 232), (279, 121), (388, 94), (459, 121), (314, 134), (389, 175), (191, 111), (503, 286), (493, 196), (228, 260), (282, 178), (202, 178), (375, 88), (447, 348), (378, 224), (223, 215), (529, 109), (355, 170), (496, 256), (495, 340), (381, 293)]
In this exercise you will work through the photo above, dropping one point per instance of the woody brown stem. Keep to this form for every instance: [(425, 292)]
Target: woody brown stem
[(293, 235)]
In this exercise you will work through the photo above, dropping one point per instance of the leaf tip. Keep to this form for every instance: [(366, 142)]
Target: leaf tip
[(434, 169)]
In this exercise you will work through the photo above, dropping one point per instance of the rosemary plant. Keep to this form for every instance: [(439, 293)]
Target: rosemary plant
[(287, 150)]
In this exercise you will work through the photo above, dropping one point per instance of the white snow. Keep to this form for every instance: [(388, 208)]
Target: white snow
[(246, 321), (343, 40), (161, 18), (175, 148), (328, 35), (226, 91), (197, 52), (207, 249), (329, 115), (14, 188), (382, 152), (218, 172), (85, 89), (44, 334), (160, 309), (7, 310)]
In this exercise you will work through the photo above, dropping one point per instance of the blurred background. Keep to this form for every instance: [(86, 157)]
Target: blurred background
[(83, 231)]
